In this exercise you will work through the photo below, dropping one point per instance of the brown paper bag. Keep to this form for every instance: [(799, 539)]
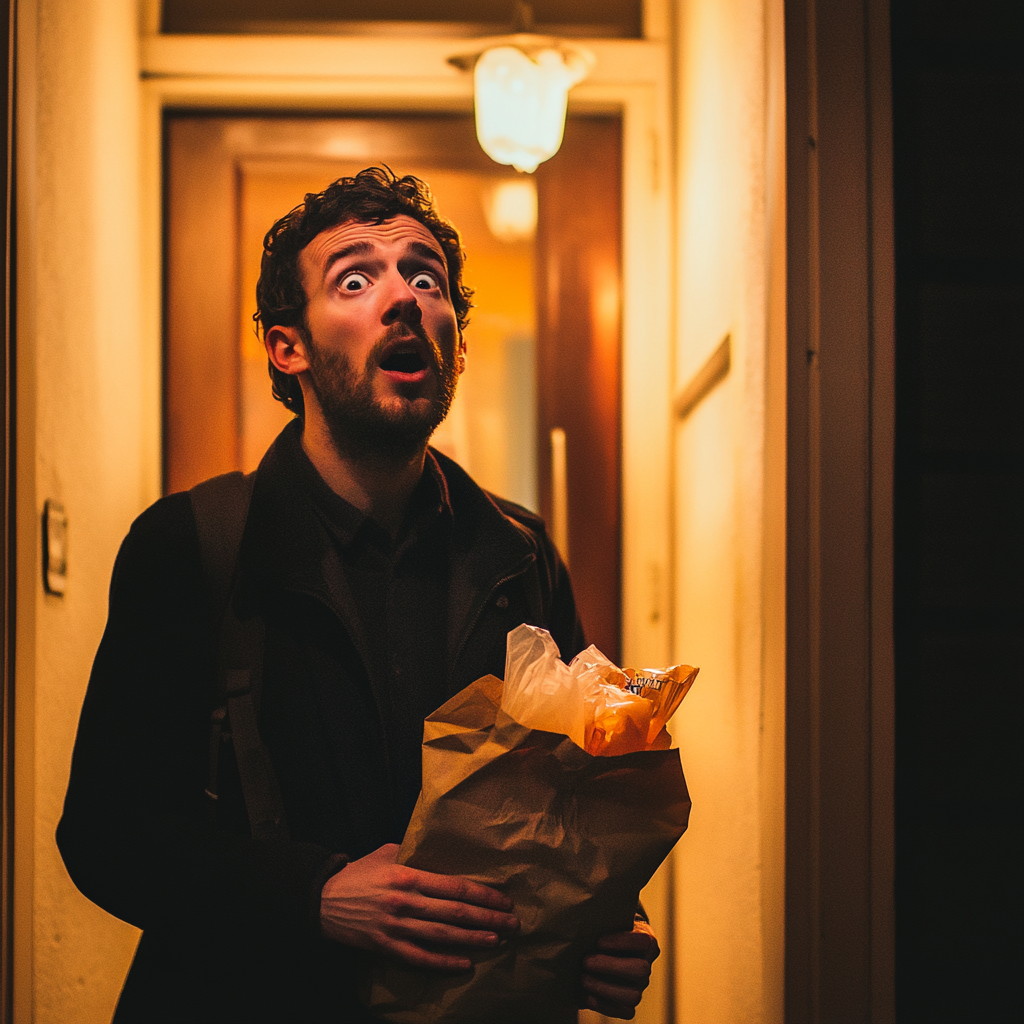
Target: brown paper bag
[(569, 837)]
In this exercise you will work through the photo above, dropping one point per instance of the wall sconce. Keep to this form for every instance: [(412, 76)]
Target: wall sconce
[(521, 88)]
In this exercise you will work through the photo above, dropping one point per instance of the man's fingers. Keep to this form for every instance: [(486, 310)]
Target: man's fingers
[(442, 934), (616, 975), (628, 969), (616, 1010), (418, 916), (609, 992), (462, 915), (416, 956), (635, 943), (458, 890)]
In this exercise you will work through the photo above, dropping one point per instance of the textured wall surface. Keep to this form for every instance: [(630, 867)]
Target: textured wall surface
[(85, 402), (729, 557)]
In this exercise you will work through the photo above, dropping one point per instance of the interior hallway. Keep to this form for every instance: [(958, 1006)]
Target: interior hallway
[(858, 467)]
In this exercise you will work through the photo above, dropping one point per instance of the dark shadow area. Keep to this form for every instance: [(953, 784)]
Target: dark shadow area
[(958, 86)]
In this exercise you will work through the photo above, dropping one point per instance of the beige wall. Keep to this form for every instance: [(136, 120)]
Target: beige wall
[(86, 436), (729, 555)]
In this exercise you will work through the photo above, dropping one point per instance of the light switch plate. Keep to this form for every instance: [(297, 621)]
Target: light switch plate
[(55, 548)]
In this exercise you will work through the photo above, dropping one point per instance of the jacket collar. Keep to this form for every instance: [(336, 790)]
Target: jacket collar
[(487, 549), (287, 546)]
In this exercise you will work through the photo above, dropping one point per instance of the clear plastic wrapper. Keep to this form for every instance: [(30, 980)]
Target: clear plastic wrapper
[(540, 692), (602, 708), (616, 721)]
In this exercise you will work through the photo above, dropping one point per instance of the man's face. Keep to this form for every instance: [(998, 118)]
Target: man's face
[(384, 347)]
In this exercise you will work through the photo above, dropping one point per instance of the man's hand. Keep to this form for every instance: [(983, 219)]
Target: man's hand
[(614, 977), (379, 905)]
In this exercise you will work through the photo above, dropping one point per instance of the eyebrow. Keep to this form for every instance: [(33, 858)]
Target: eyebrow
[(355, 249), (420, 249), (428, 252)]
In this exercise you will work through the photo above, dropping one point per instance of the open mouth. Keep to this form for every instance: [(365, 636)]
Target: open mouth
[(404, 361)]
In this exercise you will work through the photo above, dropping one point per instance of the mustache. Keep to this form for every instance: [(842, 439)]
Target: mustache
[(398, 331)]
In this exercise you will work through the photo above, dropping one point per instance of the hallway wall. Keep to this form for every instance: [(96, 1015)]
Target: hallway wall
[(729, 509), (87, 436)]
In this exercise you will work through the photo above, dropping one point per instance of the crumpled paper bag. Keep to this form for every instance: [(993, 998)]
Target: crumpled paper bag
[(571, 838)]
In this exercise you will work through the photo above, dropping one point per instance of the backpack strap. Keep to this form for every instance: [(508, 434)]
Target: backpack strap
[(221, 506)]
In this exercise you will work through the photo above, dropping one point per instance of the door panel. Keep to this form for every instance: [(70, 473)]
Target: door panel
[(200, 355), (578, 358)]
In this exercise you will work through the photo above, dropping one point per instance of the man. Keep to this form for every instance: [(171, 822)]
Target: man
[(386, 581)]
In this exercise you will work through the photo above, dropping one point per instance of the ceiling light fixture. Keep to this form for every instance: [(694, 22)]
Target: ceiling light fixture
[(511, 210), (521, 89)]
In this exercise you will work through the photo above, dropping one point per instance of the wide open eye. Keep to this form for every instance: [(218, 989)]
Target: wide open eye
[(354, 282), (423, 281)]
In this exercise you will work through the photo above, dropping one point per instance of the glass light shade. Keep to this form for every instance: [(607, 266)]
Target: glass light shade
[(520, 104)]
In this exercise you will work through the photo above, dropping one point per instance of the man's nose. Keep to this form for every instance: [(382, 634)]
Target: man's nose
[(402, 306)]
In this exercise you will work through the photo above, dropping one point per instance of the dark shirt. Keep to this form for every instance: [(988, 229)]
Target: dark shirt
[(400, 589)]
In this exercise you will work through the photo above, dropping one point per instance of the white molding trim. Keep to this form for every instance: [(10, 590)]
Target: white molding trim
[(397, 58)]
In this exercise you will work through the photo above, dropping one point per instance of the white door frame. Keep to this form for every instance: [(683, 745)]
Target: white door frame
[(631, 77)]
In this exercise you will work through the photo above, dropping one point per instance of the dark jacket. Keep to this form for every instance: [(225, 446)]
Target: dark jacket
[(230, 924)]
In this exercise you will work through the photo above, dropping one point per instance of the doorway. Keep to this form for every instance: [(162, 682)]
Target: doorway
[(537, 417)]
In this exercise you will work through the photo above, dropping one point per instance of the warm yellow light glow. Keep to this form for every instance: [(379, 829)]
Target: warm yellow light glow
[(521, 101), (511, 210)]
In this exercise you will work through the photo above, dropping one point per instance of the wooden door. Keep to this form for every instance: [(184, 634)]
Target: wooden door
[(578, 361), (543, 339)]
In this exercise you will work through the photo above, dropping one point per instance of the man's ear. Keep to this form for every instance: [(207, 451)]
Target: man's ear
[(286, 349)]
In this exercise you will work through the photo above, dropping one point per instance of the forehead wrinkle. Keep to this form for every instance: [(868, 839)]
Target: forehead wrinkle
[(355, 249), (324, 250)]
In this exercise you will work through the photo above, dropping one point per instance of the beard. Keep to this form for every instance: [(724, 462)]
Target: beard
[(362, 428)]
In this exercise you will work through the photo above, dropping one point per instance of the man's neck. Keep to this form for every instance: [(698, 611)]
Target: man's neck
[(380, 489)]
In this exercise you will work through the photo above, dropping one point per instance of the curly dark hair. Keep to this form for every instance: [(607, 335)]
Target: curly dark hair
[(374, 195)]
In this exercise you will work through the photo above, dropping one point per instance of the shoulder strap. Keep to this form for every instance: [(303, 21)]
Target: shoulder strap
[(221, 506)]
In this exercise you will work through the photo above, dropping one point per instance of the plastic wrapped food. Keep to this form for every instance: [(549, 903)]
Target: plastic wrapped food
[(664, 688), (602, 708), (514, 797)]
